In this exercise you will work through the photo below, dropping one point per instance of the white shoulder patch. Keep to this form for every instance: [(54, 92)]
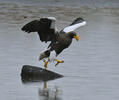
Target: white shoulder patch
[(73, 27), (52, 18), (53, 24)]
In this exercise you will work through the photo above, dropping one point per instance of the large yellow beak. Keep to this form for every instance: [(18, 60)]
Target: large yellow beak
[(76, 37)]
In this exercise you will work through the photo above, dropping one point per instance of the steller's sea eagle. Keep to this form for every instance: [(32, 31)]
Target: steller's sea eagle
[(59, 40)]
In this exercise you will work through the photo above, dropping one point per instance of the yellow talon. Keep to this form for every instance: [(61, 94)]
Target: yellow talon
[(58, 61), (45, 64)]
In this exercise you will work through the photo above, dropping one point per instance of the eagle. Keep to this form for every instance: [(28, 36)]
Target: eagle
[(59, 40)]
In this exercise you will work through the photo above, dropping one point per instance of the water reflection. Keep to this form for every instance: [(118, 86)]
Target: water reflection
[(45, 93), (49, 94)]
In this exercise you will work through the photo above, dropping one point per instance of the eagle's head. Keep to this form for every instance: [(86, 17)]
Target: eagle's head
[(73, 35)]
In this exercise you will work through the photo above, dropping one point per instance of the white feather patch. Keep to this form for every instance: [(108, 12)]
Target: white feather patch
[(42, 54), (73, 27), (51, 18), (53, 24), (52, 56)]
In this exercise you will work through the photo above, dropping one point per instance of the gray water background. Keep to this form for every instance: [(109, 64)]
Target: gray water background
[(91, 67)]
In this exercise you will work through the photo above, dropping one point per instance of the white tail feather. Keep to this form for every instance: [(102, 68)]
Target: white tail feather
[(52, 56)]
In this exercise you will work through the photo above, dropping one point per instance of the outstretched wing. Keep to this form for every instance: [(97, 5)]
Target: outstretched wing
[(45, 28), (76, 24)]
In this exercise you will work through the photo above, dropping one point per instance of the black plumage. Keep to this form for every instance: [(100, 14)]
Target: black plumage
[(47, 32), (41, 26)]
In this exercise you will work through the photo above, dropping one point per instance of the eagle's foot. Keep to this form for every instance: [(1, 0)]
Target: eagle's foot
[(58, 61), (45, 64)]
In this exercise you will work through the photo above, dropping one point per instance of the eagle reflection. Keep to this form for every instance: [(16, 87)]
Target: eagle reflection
[(49, 93), (45, 93), (32, 74)]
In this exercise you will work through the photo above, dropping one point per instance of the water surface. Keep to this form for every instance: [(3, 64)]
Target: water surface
[(91, 65)]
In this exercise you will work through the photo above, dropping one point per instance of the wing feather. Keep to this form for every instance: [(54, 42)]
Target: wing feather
[(33, 26), (76, 24), (43, 27)]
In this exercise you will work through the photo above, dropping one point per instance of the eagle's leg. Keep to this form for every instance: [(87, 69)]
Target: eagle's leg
[(58, 61), (45, 85), (45, 63)]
